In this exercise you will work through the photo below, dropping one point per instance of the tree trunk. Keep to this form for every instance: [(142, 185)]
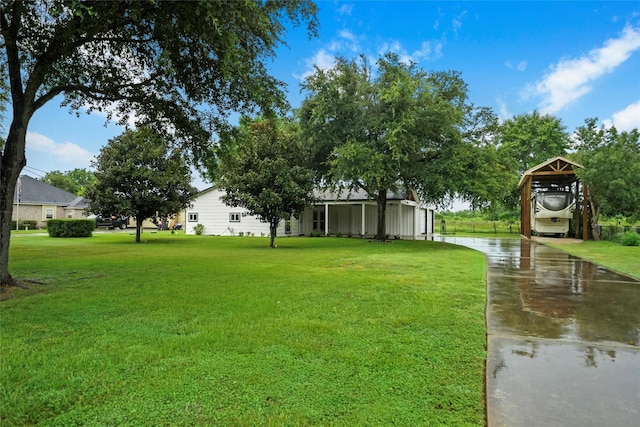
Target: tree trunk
[(138, 229), (11, 163), (595, 216), (381, 200), (594, 209), (273, 230)]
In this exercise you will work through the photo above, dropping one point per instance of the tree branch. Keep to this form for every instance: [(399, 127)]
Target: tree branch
[(63, 42), (10, 34), (93, 92)]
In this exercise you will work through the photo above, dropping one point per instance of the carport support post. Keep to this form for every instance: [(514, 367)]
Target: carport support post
[(362, 225), (525, 208)]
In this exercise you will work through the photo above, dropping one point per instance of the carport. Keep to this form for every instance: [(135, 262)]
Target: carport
[(557, 172)]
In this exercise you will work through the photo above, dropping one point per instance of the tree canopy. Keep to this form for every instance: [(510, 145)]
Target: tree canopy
[(394, 129), (139, 175), (74, 181), (527, 140), (178, 66), (264, 169), (611, 161), (532, 138)]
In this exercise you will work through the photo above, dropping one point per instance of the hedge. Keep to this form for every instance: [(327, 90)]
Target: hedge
[(70, 227)]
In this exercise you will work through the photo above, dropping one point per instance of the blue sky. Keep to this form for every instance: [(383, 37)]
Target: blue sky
[(573, 60)]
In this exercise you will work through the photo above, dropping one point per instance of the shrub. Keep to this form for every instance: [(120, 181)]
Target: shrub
[(198, 229), (630, 238), (70, 227)]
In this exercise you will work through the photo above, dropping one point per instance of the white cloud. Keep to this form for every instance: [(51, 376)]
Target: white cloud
[(346, 34), (345, 9), (503, 112), (520, 66), (392, 46), (570, 79), (457, 22), (427, 51), (627, 119), (346, 40), (323, 60), (67, 153)]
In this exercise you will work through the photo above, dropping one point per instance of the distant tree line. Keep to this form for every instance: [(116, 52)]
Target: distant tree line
[(405, 129)]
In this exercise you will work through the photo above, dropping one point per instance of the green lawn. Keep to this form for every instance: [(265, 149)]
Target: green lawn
[(199, 330), (624, 259)]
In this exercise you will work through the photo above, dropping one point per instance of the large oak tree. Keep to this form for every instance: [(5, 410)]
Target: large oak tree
[(177, 65), (527, 140), (395, 128)]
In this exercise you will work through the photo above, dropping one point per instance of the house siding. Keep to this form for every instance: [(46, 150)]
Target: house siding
[(214, 215)]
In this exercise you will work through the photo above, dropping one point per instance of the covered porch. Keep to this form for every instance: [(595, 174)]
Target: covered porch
[(354, 214)]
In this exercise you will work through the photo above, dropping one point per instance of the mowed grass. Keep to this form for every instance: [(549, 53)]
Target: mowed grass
[(198, 330), (624, 259)]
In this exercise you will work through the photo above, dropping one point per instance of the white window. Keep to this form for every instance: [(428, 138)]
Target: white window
[(69, 214), (48, 213), (234, 217), (193, 217)]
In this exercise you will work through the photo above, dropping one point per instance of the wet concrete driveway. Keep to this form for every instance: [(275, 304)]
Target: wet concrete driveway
[(563, 338)]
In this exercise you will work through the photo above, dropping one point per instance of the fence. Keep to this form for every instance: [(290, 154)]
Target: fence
[(612, 232), (494, 227)]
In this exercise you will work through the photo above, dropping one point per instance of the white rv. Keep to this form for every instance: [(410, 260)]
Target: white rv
[(551, 212)]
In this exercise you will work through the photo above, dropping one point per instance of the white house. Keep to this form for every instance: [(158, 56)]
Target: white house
[(222, 220), (344, 213)]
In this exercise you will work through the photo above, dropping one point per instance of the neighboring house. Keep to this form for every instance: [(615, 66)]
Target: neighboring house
[(345, 213), (37, 201)]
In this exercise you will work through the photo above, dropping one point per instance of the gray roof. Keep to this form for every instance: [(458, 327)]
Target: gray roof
[(344, 195), (40, 193), (353, 195), (78, 202)]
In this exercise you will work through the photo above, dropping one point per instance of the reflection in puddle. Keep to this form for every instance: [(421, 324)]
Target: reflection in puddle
[(543, 292)]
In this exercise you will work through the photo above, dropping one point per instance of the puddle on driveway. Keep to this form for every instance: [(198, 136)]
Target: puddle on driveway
[(550, 383), (564, 338)]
